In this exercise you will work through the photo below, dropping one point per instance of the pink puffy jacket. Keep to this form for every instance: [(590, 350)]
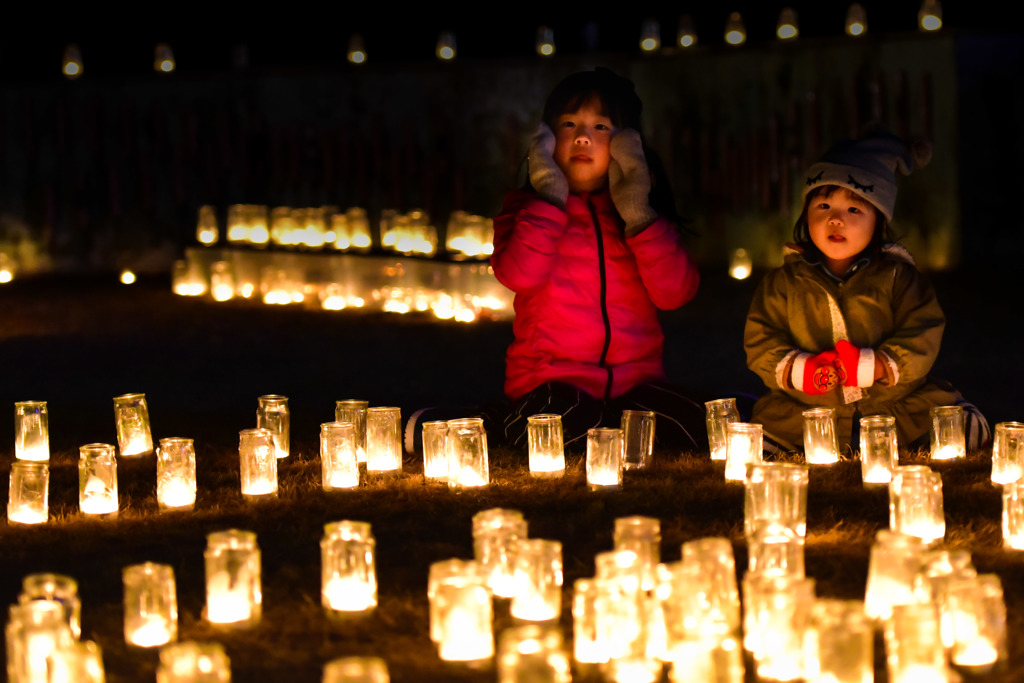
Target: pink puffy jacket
[(586, 298)]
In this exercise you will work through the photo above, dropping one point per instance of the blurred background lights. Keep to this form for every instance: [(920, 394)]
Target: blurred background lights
[(356, 49), (786, 28), (930, 16), (71, 64), (163, 59), (6, 269), (127, 277), (446, 46), (740, 264), (735, 32), (686, 36), (856, 20), (650, 35), (545, 41)]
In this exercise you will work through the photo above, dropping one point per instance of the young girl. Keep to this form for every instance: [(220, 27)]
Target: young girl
[(848, 321), (591, 252)]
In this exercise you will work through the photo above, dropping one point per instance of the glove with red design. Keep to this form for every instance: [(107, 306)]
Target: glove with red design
[(816, 375), (857, 366)]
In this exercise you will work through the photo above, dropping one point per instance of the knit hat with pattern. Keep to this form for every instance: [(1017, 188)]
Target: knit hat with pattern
[(868, 165)]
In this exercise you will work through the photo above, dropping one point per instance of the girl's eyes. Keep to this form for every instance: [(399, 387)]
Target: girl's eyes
[(854, 209)]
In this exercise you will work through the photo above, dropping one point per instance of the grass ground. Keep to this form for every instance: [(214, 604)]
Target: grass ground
[(77, 343)]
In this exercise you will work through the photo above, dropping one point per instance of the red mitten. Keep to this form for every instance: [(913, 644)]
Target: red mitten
[(857, 366), (816, 375)]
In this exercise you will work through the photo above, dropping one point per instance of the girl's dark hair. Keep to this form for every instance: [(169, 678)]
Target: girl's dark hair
[(620, 103), (802, 234)]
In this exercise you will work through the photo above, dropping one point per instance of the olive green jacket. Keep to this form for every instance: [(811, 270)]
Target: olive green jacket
[(887, 306)]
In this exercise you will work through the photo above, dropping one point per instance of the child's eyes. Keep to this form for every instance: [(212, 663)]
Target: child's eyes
[(854, 209)]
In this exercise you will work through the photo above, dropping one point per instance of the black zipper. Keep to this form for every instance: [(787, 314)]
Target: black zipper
[(604, 300)]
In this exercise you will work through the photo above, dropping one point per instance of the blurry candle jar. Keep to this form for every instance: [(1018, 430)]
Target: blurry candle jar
[(977, 614), (892, 568), (914, 650), (150, 605), (496, 536), (538, 581), (717, 659), (339, 463), (31, 431), (192, 662), (1008, 452), (234, 594), (532, 654), (383, 440), (35, 630), (176, 474), (466, 443), (776, 492), (28, 498), (546, 450), (348, 570), (80, 662), (464, 618), (604, 458), (588, 646), (272, 414), (1013, 515), (878, 450), (132, 419), (820, 446), (57, 588), (840, 646), (354, 411), (775, 550), (257, 463), (720, 412), (356, 670), (638, 438), (745, 441), (711, 566), (915, 503), (435, 452), (642, 536), (452, 570), (947, 433), (97, 479), (778, 613), (222, 282)]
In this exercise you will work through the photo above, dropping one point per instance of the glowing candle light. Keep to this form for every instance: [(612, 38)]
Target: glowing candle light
[(176, 474), (820, 446), (339, 467), (356, 670), (914, 648), (929, 18), (719, 413), (354, 411), (72, 62), (650, 35), (222, 282), (947, 433), (31, 431), (735, 31), (383, 440), (915, 503), (28, 497), (257, 463), (80, 662), (532, 653), (711, 567), (538, 595), (588, 648), (496, 536), (465, 618), (856, 20), (97, 479), (545, 43), (466, 443), (604, 458), (234, 594), (686, 35), (879, 454), (206, 227), (1013, 515), (892, 568), (777, 615), (272, 415), (740, 264), (786, 29), (132, 419), (56, 588), (150, 605), (192, 662), (743, 447), (35, 630), (1008, 452), (544, 444), (637, 438), (435, 452), (356, 49), (348, 568)]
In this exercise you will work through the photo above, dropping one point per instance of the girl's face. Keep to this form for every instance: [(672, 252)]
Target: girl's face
[(841, 224), (582, 142)]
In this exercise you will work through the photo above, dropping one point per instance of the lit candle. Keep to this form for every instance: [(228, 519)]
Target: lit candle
[(820, 446), (743, 442), (226, 604), (347, 567), (132, 420), (192, 662), (150, 604), (258, 463), (31, 431), (150, 634), (97, 476), (348, 594), (947, 433), (604, 458), (28, 497), (545, 447), (466, 443), (233, 586)]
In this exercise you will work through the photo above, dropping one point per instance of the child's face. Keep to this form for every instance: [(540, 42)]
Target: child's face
[(582, 142), (841, 224)]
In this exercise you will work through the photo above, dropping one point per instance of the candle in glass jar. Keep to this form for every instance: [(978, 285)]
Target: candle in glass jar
[(97, 477), (176, 474), (132, 420), (31, 431), (233, 587)]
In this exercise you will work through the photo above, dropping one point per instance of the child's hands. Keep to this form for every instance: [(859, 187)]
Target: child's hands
[(545, 175), (858, 365), (629, 181), (816, 375)]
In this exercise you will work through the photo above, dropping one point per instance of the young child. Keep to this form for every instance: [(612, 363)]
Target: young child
[(848, 321), (591, 251)]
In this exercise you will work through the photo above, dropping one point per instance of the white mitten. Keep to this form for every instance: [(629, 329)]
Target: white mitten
[(545, 175), (629, 181)]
